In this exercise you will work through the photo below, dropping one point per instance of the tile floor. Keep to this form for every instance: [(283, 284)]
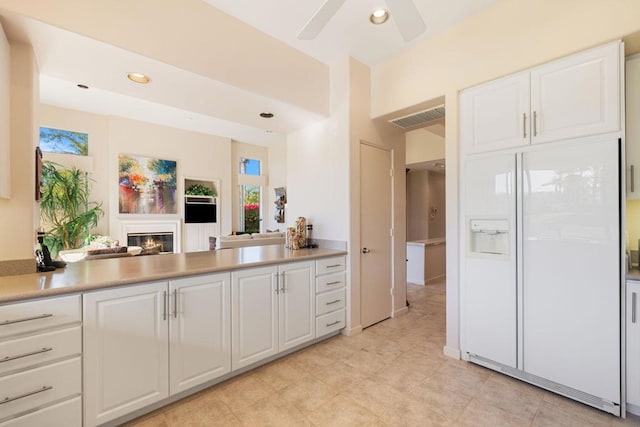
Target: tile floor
[(393, 374)]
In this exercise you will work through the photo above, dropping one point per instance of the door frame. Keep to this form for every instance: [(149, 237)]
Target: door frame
[(392, 290)]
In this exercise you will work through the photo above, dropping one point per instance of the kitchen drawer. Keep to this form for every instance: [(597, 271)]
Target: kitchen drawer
[(67, 414), (330, 282), (39, 386), (27, 351), (330, 265), (330, 322), (32, 316), (330, 301)]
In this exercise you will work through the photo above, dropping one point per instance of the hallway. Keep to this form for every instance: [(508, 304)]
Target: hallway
[(392, 374)]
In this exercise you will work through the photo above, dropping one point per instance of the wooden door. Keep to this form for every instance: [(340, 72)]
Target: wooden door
[(375, 234), (254, 315), (125, 332), (199, 330), (297, 304)]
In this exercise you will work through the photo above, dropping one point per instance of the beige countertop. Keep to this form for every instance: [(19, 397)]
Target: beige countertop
[(103, 273), (427, 242)]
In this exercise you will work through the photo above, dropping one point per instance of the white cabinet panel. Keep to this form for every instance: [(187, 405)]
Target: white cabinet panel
[(126, 350), (632, 123), (40, 386), (495, 115), (633, 346), (577, 96), (67, 414), (196, 236), (297, 304), (32, 316), (200, 326), (254, 315), (23, 352)]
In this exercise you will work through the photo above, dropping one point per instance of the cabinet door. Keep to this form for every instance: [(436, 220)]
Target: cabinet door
[(196, 236), (576, 96), (633, 345), (254, 315), (632, 124), (495, 115), (199, 330), (297, 304), (125, 335)]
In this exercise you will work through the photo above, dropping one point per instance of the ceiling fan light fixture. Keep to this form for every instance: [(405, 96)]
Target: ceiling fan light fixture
[(139, 78), (379, 16)]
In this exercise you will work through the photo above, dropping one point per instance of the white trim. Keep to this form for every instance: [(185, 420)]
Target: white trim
[(353, 331), (400, 312), (451, 352), (633, 409)]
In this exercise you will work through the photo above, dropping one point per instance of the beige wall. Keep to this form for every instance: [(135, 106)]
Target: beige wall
[(510, 36), (20, 217), (5, 138), (362, 128), (437, 200), (423, 146), (425, 190)]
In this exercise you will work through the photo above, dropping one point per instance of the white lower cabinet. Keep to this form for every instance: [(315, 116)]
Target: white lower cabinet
[(633, 347), (331, 296), (273, 310), (41, 363), (131, 334)]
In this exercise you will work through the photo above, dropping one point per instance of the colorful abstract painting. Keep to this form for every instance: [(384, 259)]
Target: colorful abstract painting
[(64, 141), (147, 185)]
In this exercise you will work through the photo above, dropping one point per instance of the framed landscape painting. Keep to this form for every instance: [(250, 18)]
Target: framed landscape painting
[(146, 185), (64, 141)]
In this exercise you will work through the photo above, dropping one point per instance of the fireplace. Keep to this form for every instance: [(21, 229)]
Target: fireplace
[(154, 236), (152, 243)]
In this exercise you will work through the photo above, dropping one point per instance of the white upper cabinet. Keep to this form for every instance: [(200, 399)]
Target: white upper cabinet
[(577, 96), (495, 115), (632, 132), (569, 98)]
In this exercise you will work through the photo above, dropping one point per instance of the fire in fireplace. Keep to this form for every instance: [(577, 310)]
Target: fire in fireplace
[(152, 243)]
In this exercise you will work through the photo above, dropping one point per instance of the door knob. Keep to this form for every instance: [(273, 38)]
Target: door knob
[(365, 251)]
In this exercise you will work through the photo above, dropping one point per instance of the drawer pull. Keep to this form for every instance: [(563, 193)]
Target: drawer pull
[(33, 353), (333, 323), (334, 265), (335, 301), (26, 319), (334, 283), (31, 393)]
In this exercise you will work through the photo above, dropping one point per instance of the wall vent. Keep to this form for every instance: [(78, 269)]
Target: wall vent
[(420, 118)]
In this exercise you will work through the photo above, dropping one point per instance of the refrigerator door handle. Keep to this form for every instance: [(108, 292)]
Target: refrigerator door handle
[(633, 178), (524, 125), (633, 307)]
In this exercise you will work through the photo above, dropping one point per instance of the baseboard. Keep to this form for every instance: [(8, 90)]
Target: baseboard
[(400, 312), (633, 409), (452, 352), (353, 331)]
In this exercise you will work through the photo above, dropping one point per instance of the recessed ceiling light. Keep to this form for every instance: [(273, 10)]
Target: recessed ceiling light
[(81, 86), (379, 16), (138, 78), (266, 115)]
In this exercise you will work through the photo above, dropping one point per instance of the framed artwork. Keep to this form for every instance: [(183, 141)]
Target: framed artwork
[(64, 141), (146, 185)]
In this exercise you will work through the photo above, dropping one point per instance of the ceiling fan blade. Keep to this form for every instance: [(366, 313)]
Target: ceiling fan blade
[(407, 17), (319, 19)]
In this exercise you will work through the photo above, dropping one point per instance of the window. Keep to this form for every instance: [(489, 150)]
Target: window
[(250, 197)]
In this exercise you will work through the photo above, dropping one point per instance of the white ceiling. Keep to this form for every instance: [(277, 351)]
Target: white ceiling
[(184, 95), (349, 32)]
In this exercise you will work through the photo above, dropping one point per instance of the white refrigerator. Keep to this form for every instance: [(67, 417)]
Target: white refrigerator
[(541, 273)]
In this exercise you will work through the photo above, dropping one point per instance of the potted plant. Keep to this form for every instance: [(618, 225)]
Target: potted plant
[(199, 190), (65, 210)]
